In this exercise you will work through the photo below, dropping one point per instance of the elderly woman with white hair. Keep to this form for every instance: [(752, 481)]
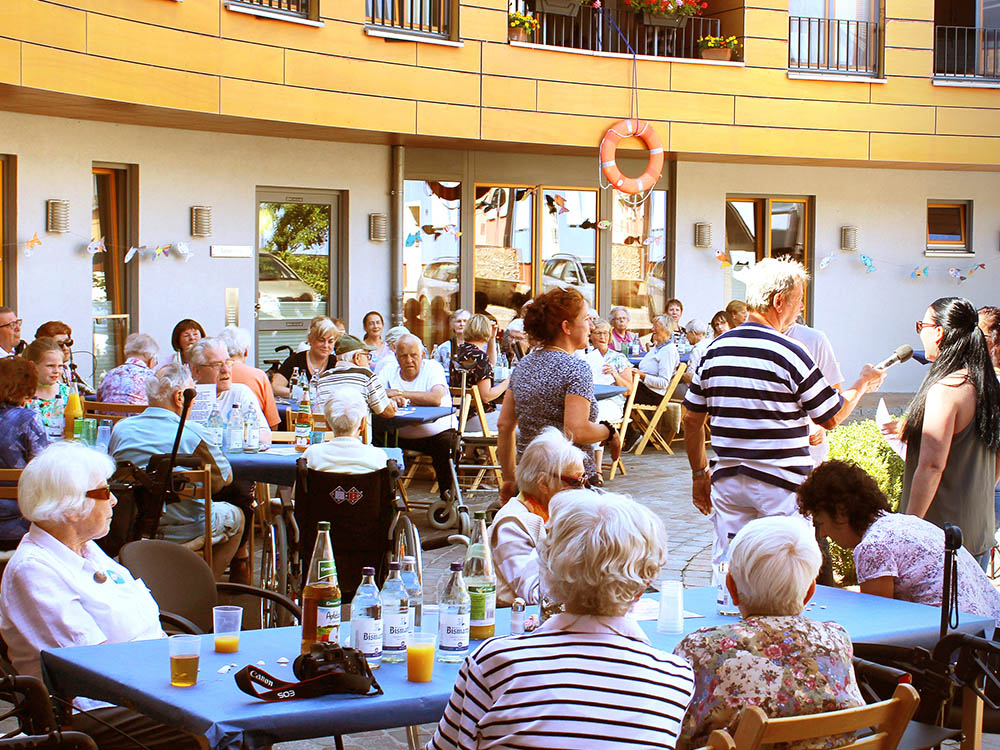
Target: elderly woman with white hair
[(772, 658), (60, 589), (588, 677), (549, 464), (345, 413), (126, 384), (237, 342)]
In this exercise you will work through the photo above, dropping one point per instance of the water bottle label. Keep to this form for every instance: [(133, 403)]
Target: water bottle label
[(214, 435), (484, 605), (327, 619), (722, 597), (367, 632), (397, 626), (252, 442), (453, 631)]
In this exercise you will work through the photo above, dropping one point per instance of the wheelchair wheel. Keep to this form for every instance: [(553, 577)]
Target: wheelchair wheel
[(442, 515), (464, 523), (274, 564)]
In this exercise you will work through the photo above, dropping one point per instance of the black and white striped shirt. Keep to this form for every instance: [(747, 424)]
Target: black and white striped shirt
[(576, 683), (760, 389)]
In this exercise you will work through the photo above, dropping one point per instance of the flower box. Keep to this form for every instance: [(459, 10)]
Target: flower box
[(717, 53), (558, 7), (657, 19), (518, 34)]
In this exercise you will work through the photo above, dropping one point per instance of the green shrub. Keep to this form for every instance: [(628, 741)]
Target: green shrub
[(861, 443)]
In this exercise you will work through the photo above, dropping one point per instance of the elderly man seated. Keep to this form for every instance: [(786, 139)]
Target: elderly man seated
[(138, 438), (549, 464), (423, 383), (211, 365), (345, 413), (353, 370), (126, 384), (773, 658), (391, 337), (237, 343)]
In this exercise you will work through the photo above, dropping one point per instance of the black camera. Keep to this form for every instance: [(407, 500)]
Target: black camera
[(329, 658)]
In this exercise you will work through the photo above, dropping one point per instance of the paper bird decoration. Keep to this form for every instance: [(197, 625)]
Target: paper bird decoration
[(723, 257), (133, 251), (183, 250), (869, 263), (917, 272), (980, 266), (161, 250), (96, 246), (604, 224), (34, 241), (412, 239), (956, 274), (826, 260)]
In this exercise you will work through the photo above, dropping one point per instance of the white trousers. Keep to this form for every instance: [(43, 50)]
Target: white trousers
[(739, 499)]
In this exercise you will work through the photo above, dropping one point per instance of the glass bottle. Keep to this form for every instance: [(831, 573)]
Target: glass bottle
[(295, 386), (57, 419), (303, 423), (233, 439), (321, 595), (395, 616), (481, 580), (453, 618), (251, 430), (215, 427), (366, 619), (414, 591), (723, 598), (72, 411)]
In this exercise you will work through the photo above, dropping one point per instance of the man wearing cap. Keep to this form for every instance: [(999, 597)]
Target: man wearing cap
[(353, 370)]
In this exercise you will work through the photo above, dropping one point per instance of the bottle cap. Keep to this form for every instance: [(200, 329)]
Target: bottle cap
[(518, 605), (367, 571), (323, 526), (395, 566), (479, 514), (456, 566)]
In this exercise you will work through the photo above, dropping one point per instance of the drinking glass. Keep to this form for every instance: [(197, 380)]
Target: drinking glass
[(227, 620), (184, 653)]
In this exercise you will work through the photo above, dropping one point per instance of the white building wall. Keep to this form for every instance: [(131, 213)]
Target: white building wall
[(178, 169), (866, 315)]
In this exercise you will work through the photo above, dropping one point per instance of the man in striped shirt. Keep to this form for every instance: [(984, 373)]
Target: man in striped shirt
[(758, 389)]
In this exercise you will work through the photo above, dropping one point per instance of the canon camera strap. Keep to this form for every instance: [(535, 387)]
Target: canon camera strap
[(325, 684)]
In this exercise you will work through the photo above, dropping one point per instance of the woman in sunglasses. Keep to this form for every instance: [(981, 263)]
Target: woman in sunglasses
[(952, 428), (47, 357), (549, 464), (60, 588)]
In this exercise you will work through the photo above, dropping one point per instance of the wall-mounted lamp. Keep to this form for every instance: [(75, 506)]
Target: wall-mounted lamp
[(201, 221), (378, 227), (57, 215), (848, 239), (702, 234)]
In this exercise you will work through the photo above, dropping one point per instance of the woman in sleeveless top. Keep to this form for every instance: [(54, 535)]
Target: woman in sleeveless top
[(952, 428)]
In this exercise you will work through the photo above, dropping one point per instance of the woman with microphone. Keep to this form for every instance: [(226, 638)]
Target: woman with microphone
[(952, 428)]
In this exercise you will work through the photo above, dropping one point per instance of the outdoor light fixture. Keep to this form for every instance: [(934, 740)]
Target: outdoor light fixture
[(378, 227), (201, 221), (702, 234), (57, 215), (848, 239)]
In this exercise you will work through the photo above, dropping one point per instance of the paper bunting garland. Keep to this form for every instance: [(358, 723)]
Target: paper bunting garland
[(161, 250), (183, 250), (723, 257), (869, 263), (917, 272), (827, 260), (133, 251), (96, 246), (33, 242)]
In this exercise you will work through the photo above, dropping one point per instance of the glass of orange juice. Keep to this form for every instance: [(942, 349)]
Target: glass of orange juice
[(420, 656), (227, 621)]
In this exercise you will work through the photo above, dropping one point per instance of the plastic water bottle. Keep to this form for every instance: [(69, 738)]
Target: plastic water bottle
[(295, 387), (395, 616), (453, 618), (215, 427), (233, 439), (57, 419), (314, 397), (251, 430), (723, 598), (414, 591), (104, 435), (481, 580), (366, 619)]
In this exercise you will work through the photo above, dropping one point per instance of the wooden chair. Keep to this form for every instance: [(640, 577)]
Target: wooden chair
[(484, 438), (8, 491), (199, 487), (114, 412), (622, 426), (888, 719), (649, 415)]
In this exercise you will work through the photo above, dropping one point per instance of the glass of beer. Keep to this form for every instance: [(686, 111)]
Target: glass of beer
[(184, 652), (420, 657), (227, 620)]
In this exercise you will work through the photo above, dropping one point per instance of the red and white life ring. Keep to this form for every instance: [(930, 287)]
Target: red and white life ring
[(609, 145)]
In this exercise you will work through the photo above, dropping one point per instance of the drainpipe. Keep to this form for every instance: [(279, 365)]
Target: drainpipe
[(396, 236)]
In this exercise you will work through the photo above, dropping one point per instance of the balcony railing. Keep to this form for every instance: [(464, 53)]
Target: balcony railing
[(418, 17), (967, 53), (597, 30), (833, 45), (296, 8)]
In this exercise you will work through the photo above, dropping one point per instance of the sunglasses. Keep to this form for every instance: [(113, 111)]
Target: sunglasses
[(921, 325), (573, 482), (101, 493), (67, 344)]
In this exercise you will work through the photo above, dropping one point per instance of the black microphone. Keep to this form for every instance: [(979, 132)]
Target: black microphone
[(902, 354), (191, 393)]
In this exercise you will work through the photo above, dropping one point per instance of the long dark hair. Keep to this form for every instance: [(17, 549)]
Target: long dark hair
[(962, 347)]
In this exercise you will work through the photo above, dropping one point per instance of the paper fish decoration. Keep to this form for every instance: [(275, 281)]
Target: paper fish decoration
[(979, 267), (33, 242), (586, 224), (97, 246), (826, 260), (917, 272), (413, 239), (183, 250), (869, 263), (161, 250), (723, 257), (604, 224), (133, 251)]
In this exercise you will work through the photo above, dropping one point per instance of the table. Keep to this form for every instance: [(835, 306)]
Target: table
[(636, 360), (602, 392), (408, 416), (136, 674), (276, 465)]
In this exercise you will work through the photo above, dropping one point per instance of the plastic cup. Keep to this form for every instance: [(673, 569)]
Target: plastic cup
[(420, 657), (90, 431), (671, 619), (184, 653), (227, 621), (80, 429)]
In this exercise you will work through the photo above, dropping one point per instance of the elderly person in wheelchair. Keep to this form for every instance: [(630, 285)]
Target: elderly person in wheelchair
[(345, 413), (60, 589), (772, 658), (550, 464)]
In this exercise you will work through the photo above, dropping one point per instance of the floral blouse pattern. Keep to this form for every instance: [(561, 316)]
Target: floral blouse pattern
[(44, 405), (787, 666), (125, 384), (479, 369)]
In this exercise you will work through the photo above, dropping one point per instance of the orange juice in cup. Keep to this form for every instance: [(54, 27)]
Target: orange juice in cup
[(420, 657), (227, 621), (227, 644)]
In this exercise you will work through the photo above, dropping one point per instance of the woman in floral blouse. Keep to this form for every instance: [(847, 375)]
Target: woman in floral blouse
[(772, 658), (47, 356)]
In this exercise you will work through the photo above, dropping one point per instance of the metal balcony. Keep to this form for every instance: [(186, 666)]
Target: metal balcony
[(833, 45), (967, 53)]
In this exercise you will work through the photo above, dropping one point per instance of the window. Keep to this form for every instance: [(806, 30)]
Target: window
[(432, 236), (569, 241), (638, 257), (504, 250), (948, 227), (837, 36)]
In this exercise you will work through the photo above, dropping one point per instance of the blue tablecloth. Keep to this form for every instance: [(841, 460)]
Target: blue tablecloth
[(407, 416), (137, 674), (277, 464), (636, 360), (602, 392)]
